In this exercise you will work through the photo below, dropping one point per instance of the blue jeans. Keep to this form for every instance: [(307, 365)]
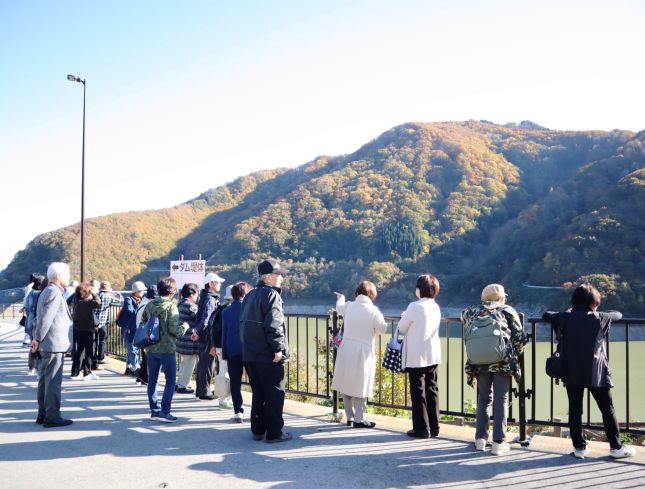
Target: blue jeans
[(132, 352), (157, 361)]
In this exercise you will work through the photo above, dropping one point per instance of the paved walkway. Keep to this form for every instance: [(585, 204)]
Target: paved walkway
[(114, 444)]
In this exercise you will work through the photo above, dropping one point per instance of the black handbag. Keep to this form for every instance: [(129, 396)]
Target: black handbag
[(23, 321), (554, 366)]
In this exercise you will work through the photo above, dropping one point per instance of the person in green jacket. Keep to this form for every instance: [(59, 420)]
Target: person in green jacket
[(162, 354)]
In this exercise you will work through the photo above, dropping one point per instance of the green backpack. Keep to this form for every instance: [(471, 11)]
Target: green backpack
[(486, 337)]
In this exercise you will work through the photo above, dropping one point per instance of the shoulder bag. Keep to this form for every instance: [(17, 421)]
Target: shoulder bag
[(392, 358)]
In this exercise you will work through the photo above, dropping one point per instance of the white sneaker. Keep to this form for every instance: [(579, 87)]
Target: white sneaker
[(238, 418), (91, 377), (500, 448), (225, 404), (78, 377), (622, 452), (32, 372), (480, 444), (581, 452)]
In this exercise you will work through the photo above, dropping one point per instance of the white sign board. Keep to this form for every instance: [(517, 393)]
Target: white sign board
[(188, 272)]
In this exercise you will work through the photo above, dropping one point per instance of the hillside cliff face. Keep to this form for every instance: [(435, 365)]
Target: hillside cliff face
[(472, 202)]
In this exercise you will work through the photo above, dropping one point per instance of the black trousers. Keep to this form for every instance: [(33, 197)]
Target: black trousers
[(83, 352), (424, 391), (267, 385), (143, 365), (205, 369), (100, 339), (602, 395), (235, 372)]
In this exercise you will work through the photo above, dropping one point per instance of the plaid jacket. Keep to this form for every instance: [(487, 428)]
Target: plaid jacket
[(515, 346), (103, 311)]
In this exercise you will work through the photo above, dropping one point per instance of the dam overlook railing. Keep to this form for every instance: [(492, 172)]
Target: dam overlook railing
[(535, 401)]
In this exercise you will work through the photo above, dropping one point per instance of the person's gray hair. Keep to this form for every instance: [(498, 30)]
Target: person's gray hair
[(57, 268), (264, 277)]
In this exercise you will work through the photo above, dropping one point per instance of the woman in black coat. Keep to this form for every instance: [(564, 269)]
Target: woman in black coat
[(583, 332)]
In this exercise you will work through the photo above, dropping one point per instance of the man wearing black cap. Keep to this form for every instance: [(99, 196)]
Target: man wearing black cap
[(265, 348)]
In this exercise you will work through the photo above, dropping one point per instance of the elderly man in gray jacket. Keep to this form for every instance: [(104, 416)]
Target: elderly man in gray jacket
[(52, 336)]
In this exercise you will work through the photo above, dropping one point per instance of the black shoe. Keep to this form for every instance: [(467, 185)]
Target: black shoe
[(128, 372), (434, 434), (418, 434), (184, 390), (283, 437), (40, 419), (141, 381), (258, 437), (208, 397), (364, 424), (57, 423), (349, 422)]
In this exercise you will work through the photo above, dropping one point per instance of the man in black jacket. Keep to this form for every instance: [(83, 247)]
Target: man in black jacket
[(265, 348)]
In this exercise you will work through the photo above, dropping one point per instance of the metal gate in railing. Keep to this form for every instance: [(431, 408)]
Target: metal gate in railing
[(309, 372)]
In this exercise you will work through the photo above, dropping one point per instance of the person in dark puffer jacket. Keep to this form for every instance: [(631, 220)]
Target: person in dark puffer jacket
[(186, 347), (583, 332)]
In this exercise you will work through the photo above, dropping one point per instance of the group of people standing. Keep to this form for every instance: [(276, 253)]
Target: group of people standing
[(493, 362), (88, 304), (248, 332)]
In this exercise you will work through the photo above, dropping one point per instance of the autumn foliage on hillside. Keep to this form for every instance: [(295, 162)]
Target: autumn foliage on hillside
[(472, 202)]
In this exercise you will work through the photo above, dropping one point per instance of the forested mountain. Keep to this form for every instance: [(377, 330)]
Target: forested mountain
[(472, 202)]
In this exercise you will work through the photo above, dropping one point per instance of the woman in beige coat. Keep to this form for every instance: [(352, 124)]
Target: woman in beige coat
[(355, 361)]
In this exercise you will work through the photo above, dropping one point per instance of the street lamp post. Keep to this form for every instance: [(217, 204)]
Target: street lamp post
[(77, 79)]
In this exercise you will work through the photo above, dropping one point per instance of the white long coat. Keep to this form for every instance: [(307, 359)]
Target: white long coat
[(355, 361), (420, 325)]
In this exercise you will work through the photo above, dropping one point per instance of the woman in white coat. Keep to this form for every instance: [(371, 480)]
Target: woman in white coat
[(356, 361), (421, 355)]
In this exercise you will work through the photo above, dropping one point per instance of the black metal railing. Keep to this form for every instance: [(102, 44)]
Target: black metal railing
[(309, 372), (10, 311)]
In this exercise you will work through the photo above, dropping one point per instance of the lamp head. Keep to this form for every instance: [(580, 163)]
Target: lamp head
[(71, 78)]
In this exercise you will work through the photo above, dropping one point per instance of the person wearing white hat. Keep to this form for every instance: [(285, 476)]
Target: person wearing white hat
[(491, 324), (209, 305), (127, 314)]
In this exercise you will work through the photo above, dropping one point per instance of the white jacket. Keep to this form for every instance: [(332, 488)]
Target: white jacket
[(355, 361), (420, 325)]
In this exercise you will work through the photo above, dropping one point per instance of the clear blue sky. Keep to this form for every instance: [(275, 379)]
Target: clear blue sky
[(185, 96)]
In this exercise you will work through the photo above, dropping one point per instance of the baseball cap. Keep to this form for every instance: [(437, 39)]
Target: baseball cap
[(213, 277), (271, 266)]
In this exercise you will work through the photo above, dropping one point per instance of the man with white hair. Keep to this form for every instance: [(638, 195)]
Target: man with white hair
[(52, 336)]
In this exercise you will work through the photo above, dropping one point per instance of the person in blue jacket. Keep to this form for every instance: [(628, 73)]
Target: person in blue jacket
[(128, 311), (232, 345)]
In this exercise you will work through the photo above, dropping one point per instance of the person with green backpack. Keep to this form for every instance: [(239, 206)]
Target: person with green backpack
[(494, 339)]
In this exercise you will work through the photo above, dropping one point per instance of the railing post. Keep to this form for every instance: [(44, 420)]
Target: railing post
[(334, 332), (524, 440)]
